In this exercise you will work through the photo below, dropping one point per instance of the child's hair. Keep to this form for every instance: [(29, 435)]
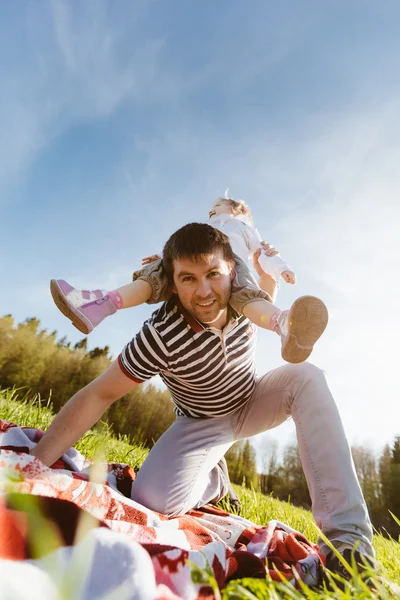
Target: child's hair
[(238, 207)]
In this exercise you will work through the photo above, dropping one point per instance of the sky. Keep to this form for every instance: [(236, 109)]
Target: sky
[(122, 121)]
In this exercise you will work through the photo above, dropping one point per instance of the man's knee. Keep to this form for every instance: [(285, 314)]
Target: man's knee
[(309, 372), (154, 498), (303, 372), (308, 383)]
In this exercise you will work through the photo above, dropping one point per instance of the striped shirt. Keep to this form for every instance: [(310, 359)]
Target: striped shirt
[(209, 373)]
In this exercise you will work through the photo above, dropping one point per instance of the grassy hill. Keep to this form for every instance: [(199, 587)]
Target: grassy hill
[(255, 506)]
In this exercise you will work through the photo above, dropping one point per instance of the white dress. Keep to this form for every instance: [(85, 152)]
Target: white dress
[(245, 240)]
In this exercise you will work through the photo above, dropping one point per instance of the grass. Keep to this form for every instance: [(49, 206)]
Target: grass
[(32, 412), (255, 506)]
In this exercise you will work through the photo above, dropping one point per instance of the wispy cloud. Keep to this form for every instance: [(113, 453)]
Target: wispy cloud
[(76, 65), (100, 67)]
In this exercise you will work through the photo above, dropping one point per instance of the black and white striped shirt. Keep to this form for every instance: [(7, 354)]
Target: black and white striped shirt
[(209, 373)]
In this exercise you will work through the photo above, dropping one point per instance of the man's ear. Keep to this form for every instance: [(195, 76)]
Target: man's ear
[(233, 274)]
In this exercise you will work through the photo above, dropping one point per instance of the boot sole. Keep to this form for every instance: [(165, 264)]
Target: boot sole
[(78, 320), (308, 319)]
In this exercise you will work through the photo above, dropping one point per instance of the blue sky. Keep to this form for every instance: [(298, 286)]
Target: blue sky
[(122, 121)]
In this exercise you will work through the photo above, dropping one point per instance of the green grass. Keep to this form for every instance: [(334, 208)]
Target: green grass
[(261, 509), (33, 412), (255, 506)]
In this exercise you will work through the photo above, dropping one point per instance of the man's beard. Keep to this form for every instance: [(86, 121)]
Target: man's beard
[(206, 314)]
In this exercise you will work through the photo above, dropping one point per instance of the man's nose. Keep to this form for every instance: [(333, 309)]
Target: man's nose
[(204, 288)]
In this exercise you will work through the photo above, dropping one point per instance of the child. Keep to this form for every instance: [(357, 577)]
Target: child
[(299, 328)]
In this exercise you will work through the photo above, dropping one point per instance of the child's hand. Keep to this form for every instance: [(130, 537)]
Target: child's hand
[(289, 276), (150, 259)]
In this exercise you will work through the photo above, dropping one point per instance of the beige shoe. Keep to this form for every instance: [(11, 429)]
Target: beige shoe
[(300, 327)]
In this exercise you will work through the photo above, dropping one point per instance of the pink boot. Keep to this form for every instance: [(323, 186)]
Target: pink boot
[(86, 309), (300, 327)]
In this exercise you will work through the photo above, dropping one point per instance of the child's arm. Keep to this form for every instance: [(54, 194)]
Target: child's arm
[(272, 265)]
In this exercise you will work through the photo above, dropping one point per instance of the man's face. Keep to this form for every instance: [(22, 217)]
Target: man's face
[(204, 287)]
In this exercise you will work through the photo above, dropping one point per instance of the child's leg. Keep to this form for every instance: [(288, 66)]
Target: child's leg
[(249, 299), (262, 313), (87, 308), (134, 293), (299, 328)]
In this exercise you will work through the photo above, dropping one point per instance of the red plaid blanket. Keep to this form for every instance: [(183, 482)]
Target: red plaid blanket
[(120, 549)]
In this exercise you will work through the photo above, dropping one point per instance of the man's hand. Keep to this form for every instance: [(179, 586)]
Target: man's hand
[(269, 250), (150, 259), (289, 276), (266, 282)]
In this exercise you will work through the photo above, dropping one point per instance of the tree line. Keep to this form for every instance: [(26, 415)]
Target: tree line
[(33, 358), (282, 477)]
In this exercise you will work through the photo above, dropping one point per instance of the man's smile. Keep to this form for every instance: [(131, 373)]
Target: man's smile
[(205, 304)]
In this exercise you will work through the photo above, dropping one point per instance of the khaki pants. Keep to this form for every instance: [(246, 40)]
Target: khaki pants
[(179, 472)]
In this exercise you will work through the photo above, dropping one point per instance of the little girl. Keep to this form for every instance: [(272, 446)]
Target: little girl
[(299, 328)]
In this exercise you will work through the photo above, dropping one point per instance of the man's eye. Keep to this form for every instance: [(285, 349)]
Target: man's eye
[(187, 278), (214, 273)]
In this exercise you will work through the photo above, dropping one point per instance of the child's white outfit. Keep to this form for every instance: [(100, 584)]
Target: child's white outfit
[(244, 240)]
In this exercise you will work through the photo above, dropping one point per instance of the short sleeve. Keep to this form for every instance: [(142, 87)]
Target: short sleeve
[(145, 356)]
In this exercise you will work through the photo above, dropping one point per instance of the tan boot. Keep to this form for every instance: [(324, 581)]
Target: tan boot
[(300, 327)]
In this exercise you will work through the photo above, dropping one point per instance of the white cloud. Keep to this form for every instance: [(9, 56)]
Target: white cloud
[(76, 64)]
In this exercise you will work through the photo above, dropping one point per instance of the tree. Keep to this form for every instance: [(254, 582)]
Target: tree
[(396, 451), (241, 461), (368, 475), (297, 489), (389, 471), (81, 345), (394, 501), (64, 343), (96, 352), (270, 466), (35, 360)]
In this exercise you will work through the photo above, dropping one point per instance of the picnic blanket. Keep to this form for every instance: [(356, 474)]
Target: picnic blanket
[(88, 537)]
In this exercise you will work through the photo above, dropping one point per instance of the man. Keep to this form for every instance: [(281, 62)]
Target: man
[(204, 352)]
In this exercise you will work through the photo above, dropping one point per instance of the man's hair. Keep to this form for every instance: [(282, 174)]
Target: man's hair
[(193, 241)]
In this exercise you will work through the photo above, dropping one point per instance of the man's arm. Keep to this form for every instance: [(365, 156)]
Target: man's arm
[(81, 412), (266, 282)]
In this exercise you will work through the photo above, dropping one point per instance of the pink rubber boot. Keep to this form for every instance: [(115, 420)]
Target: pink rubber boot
[(86, 309)]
